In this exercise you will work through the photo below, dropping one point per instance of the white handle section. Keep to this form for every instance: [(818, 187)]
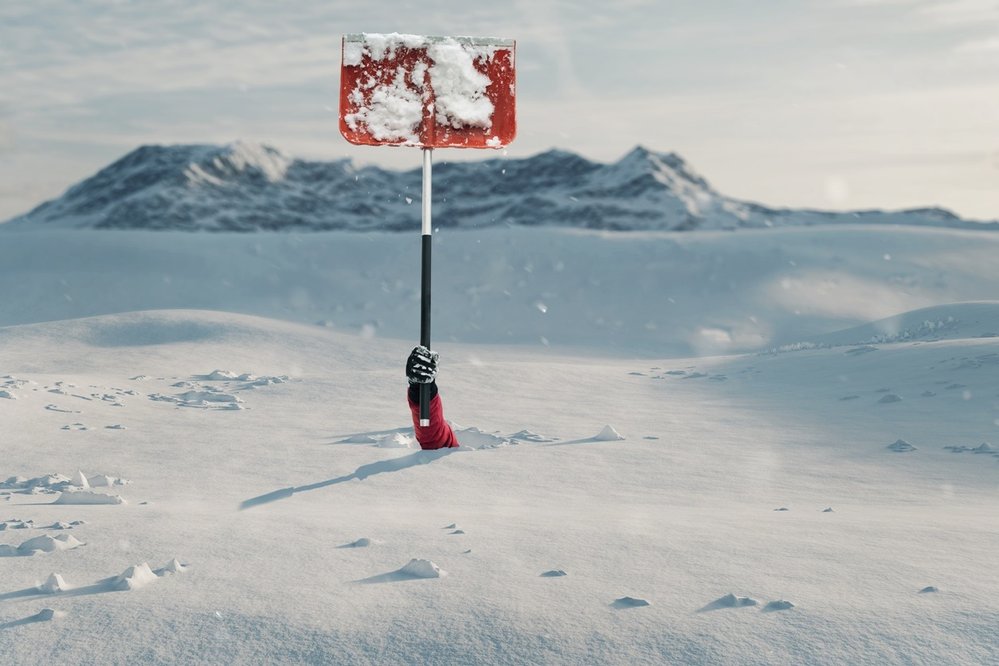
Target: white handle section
[(427, 228), (424, 423)]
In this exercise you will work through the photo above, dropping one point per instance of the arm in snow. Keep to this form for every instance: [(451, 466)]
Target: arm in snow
[(438, 435)]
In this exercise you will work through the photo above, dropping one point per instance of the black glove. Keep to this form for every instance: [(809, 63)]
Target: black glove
[(421, 366)]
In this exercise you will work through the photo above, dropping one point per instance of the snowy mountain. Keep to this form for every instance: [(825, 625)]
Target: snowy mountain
[(250, 187)]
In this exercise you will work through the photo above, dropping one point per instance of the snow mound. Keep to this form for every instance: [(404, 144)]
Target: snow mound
[(47, 615), (220, 376), (88, 497), (363, 542), (47, 482), (397, 441), (134, 577), (554, 573), (901, 446), (16, 524), (105, 481), (174, 566), (888, 398), (4, 393), (359, 439), (732, 601), (422, 569), (953, 321), (929, 589), (779, 605), (256, 382), (608, 434), (529, 436), (49, 544), (863, 349), (984, 447), (474, 438), (14, 482), (631, 602), (55, 583), (201, 399)]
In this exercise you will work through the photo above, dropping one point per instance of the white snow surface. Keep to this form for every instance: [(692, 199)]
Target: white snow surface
[(459, 86), (680, 514), (390, 112), (655, 294)]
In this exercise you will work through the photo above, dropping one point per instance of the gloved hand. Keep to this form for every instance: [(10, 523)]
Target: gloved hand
[(421, 366)]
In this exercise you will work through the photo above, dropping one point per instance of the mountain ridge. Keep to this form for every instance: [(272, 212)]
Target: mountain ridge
[(254, 187)]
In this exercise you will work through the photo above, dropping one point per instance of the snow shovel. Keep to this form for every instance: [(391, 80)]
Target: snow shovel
[(427, 92)]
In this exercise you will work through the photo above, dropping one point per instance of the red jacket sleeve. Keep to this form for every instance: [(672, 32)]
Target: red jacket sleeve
[(438, 435)]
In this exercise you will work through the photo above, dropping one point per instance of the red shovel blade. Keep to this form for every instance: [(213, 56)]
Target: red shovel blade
[(431, 92)]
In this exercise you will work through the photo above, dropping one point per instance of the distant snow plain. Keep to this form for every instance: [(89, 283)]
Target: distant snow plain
[(244, 396)]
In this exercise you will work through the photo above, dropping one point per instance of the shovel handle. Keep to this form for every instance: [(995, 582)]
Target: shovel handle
[(427, 239)]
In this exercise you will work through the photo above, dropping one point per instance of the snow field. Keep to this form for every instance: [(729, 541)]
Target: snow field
[(681, 513), (651, 294), (679, 521)]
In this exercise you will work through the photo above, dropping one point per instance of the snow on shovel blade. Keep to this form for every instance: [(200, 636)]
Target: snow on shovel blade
[(431, 92)]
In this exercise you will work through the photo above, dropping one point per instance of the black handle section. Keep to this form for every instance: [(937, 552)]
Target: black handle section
[(425, 322)]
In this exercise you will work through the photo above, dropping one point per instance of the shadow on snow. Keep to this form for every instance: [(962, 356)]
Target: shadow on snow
[(361, 473)]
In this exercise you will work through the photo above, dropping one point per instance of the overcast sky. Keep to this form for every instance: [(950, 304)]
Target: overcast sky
[(823, 103)]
